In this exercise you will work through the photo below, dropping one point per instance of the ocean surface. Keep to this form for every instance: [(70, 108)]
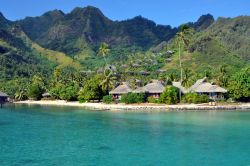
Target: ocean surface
[(68, 136)]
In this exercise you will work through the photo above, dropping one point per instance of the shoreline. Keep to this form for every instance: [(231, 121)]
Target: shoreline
[(139, 107)]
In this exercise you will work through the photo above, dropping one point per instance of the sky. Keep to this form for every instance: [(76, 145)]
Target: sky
[(174, 12)]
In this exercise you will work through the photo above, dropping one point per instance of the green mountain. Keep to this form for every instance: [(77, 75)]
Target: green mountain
[(225, 41), (85, 28), (21, 57), (138, 45), (17, 58)]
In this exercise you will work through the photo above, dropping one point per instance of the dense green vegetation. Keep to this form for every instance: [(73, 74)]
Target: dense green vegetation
[(133, 98), (170, 95), (107, 99), (195, 98), (70, 54), (239, 85)]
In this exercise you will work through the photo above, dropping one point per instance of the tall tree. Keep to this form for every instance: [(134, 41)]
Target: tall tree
[(104, 50), (239, 85), (108, 83), (222, 78), (187, 79), (183, 40)]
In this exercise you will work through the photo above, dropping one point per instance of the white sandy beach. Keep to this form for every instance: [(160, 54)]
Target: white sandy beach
[(145, 106)]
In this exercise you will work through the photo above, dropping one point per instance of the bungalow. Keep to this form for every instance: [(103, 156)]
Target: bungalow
[(124, 88), (46, 95), (214, 92), (154, 89), (3, 98)]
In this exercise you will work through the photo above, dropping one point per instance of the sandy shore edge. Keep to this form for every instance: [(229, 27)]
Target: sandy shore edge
[(141, 107)]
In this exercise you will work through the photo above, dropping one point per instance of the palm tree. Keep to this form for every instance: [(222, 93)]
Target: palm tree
[(20, 94), (170, 78), (104, 50), (187, 79), (108, 83), (183, 40), (222, 78)]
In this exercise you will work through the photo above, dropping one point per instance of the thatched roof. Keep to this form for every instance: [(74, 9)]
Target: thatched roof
[(3, 94), (139, 90), (209, 88), (198, 83), (202, 86), (179, 86), (121, 89), (154, 87)]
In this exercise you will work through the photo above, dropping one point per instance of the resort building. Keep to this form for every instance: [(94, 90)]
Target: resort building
[(124, 88), (3, 98), (201, 87), (180, 87), (154, 89), (214, 92)]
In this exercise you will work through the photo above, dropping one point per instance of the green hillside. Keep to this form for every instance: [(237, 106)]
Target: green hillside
[(21, 57), (83, 29), (57, 39)]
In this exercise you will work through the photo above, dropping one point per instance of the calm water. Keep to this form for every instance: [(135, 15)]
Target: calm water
[(49, 136)]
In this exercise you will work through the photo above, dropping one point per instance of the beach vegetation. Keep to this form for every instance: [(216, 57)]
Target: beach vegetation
[(91, 90), (35, 92), (107, 99), (170, 95), (239, 85), (194, 98), (151, 99), (131, 98)]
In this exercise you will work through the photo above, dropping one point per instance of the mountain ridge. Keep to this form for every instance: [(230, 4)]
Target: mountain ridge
[(75, 38)]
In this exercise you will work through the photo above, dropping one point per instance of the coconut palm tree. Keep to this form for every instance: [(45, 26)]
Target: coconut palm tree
[(187, 79), (108, 83), (21, 94), (182, 40), (104, 50)]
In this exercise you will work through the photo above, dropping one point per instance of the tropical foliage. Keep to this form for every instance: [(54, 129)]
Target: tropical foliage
[(133, 98), (170, 95), (45, 54), (195, 98), (239, 85)]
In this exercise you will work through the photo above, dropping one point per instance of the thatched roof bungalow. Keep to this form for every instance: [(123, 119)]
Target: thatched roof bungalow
[(3, 98), (154, 89), (124, 88), (139, 90), (214, 92)]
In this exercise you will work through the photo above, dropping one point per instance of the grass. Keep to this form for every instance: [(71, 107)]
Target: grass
[(60, 58)]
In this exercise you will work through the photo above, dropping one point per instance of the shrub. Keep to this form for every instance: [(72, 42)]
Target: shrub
[(170, 95), (152, 100), (69, 92), (91, 90), (133, 98), (35, 92), (81, 99), (65, 92), (195, 98), (239, 86), (107, 99)]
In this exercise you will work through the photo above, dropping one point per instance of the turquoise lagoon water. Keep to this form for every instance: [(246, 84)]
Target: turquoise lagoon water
[(65, 136)]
